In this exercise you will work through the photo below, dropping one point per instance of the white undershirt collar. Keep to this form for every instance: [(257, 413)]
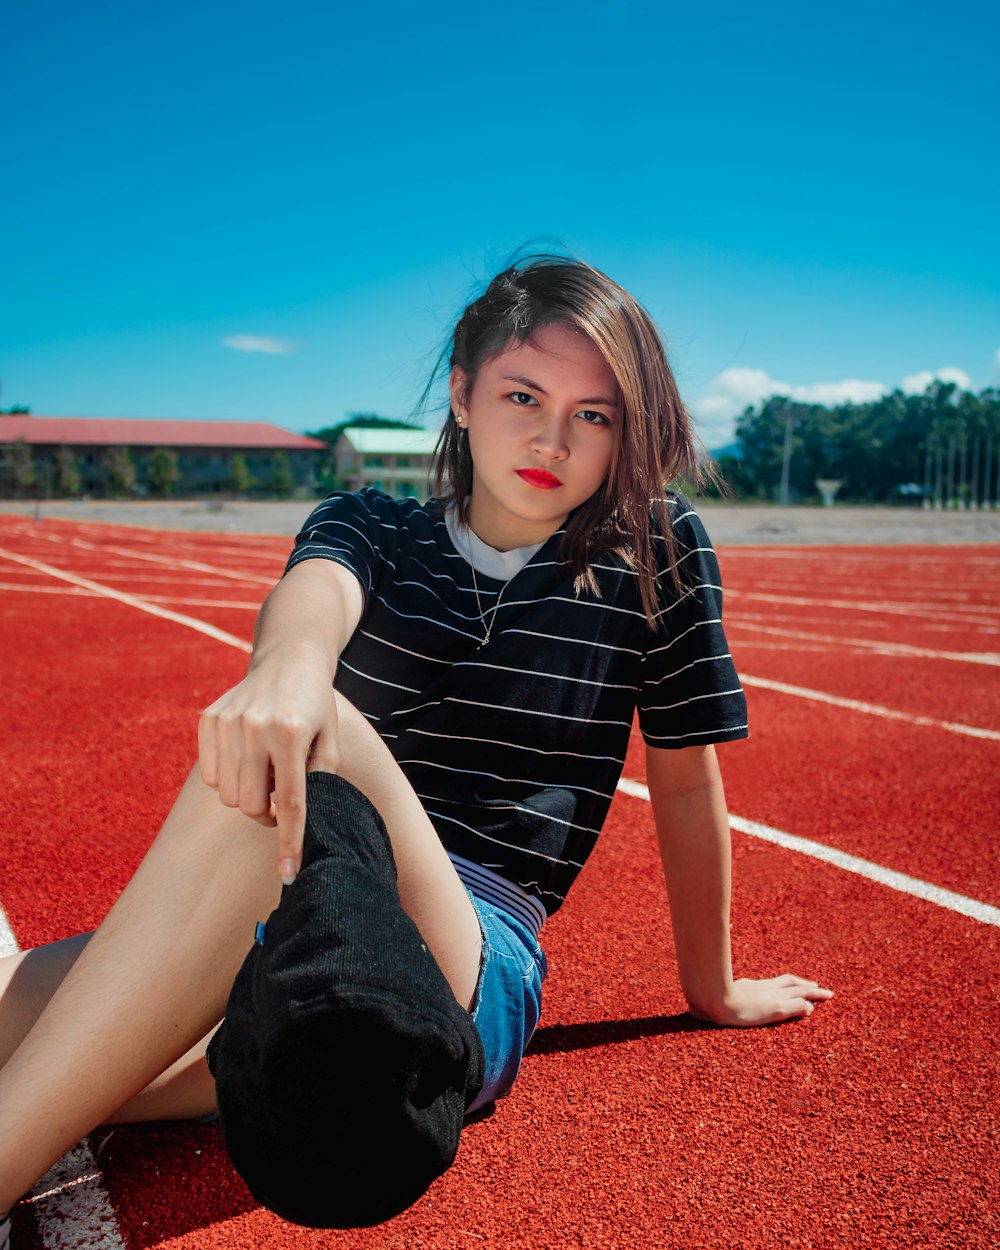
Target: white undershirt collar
[(500, 565)]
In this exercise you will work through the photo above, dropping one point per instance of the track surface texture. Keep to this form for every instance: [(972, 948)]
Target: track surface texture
[(873, 676)]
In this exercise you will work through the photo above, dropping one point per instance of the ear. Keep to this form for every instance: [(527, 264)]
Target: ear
[(458, 385)]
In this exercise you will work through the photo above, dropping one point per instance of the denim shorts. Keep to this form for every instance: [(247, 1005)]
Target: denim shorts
[(508, 998)]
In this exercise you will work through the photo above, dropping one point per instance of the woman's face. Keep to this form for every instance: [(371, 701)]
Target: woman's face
[(543, 419)]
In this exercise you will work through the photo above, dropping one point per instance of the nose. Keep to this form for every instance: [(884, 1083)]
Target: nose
[(549, 438)]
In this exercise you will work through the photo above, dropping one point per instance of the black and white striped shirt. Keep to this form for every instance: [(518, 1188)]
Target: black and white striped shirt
[(515, 748)]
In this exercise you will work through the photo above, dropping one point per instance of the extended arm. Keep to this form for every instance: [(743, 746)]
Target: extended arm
[(258, 737), (692, 826)]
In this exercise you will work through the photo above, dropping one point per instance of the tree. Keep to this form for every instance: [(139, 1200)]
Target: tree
[(736, 482), (945, 438), (119, 471), (762, 441), (66, 474), (359, 421), (20, 466), (280, 481), (163, 470), (239, 479)]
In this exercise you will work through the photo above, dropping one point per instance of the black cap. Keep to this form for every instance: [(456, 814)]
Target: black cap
[(345, 1064)]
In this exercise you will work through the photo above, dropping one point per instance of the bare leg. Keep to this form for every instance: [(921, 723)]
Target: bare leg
[(185, 1091), (28, 981), (154, 978), (149, 983)]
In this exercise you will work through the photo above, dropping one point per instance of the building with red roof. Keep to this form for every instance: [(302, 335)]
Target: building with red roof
[(204, 450)]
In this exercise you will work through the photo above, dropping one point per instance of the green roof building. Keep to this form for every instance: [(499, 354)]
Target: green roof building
[(396, 461)]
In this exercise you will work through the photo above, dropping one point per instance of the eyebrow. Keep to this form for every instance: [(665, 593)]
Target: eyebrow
[(592, 399)]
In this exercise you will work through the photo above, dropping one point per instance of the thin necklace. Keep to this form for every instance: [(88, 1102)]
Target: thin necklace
[(479, 603)]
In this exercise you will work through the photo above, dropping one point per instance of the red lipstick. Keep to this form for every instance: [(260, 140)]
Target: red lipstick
[(541, 478)]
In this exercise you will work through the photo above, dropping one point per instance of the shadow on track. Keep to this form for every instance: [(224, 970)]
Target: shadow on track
[(555, 1039)]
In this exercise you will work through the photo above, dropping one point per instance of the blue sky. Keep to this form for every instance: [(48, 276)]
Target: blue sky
[(803, 196)]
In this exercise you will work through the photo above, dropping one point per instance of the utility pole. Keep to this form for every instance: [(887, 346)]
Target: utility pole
[(786, 460), (926, 502), (963, 485)]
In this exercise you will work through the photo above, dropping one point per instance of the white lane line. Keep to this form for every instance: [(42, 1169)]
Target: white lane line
[(182, 580), (924, 627), (806, 554), (970, 907), (8, 942), (861, 605), (174, 562), (931, 600), (762, 644), (990, 658), (241, 604), (72, 1207), (253, 606), (870, 709), (23, 589), (171, 562), (278, 555), (828, 571), (279, 552), (132, 601)]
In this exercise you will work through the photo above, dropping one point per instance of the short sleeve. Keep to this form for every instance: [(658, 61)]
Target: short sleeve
[(690, 693), (349, 529)]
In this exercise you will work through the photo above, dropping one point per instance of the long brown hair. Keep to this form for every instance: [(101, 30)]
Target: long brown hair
[(657, 444)]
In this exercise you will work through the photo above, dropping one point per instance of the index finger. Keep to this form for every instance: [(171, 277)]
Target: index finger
[(290, 810), (208, 747)]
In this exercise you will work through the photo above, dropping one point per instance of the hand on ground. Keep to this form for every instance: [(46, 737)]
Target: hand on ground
[(749, 1002)]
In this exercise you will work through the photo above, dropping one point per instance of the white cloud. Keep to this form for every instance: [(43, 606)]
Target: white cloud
[(850, 391), (733, 390), (917, 383), (259, 343)]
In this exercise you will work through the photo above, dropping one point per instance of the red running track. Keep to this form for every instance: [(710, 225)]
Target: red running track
[(872, 1123)]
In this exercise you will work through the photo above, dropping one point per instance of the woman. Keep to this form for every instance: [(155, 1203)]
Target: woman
[(472, 667)]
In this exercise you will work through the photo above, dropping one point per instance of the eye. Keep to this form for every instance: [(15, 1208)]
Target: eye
[(592, 417), (522, 398)]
